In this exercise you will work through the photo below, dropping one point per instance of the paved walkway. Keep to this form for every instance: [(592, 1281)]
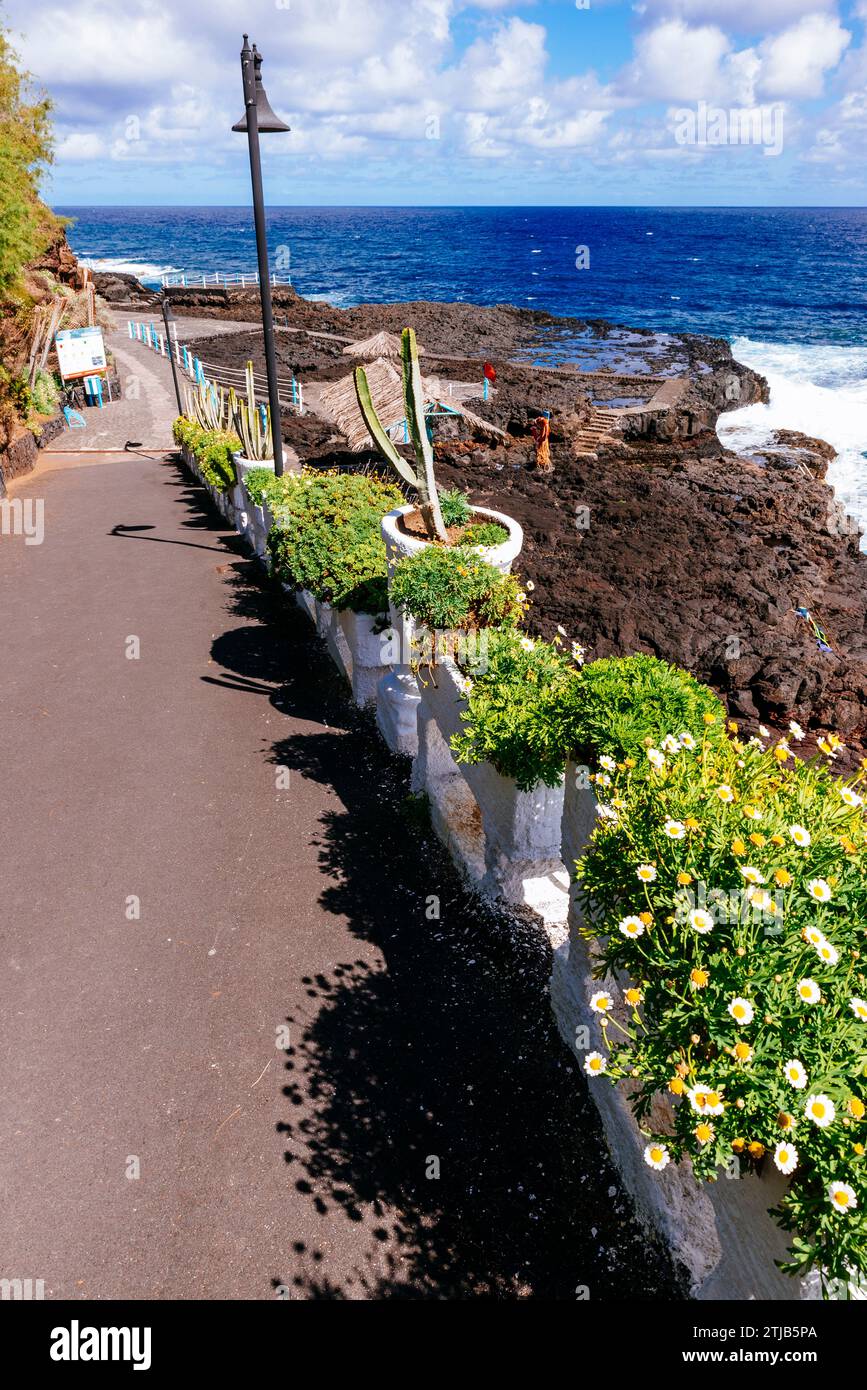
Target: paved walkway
[(170, 904)]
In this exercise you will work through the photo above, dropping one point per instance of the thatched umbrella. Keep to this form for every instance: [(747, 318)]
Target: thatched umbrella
[(339, 403), (380, 345)]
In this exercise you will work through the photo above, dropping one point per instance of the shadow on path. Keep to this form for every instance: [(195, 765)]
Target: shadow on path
[(439, 1104)]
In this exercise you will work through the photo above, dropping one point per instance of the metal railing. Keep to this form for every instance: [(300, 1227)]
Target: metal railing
[(207, 374), (202, 280)]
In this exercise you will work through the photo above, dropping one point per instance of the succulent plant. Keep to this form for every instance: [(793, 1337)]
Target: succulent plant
[(422, 476), (251, 422)]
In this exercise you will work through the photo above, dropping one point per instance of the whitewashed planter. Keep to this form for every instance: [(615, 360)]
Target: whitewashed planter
[(250, 515), (397, 698), (721, 1231), (356, 648), (507, 842)]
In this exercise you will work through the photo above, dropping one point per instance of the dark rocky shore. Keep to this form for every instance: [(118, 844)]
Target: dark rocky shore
[(648, 535)]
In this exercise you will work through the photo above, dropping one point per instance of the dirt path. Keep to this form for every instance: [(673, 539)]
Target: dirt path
[(202, 845)]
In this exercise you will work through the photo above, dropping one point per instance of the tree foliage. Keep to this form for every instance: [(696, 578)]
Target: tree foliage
[(27, 227)]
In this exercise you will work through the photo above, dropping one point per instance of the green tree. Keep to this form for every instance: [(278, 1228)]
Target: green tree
[(27, 227)]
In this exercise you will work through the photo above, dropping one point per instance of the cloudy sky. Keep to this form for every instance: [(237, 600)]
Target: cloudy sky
[(457, 101)]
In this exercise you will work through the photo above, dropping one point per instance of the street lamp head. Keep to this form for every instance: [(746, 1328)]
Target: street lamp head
[(254, 94)]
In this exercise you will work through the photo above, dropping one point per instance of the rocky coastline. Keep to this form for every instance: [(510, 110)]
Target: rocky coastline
[(648, 535)]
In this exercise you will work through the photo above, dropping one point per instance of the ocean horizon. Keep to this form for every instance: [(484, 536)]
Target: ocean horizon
[(786, 286)]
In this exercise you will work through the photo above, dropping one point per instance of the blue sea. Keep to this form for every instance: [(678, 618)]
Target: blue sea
[(787, 287)]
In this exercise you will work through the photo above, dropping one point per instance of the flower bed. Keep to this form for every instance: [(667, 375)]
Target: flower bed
[(722, 898)]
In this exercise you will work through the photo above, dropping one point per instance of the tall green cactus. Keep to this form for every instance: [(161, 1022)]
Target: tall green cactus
[(209, 406), (422, 477), (255, 438)]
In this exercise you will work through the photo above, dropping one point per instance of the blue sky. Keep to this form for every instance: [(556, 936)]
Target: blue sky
[(446, 101)]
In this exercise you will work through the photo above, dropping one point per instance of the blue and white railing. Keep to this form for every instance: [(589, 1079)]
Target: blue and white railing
[(202, 280), (211, 374)]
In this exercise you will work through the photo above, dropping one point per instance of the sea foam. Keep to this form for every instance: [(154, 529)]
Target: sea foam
[(820, 390)]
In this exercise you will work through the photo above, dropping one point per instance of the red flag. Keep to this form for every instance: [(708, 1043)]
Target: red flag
[(490, 371)]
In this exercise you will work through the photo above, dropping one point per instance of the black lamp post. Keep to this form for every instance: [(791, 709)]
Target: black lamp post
[(168, 320), (258, 117)]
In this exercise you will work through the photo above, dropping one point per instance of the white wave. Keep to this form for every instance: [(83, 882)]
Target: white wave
[(142, 270), (820, 390)]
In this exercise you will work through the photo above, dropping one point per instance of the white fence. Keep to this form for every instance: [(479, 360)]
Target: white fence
[(202, 280), (207, 374)]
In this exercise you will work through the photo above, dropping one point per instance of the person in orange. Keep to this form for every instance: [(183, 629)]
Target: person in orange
[(541, 432)]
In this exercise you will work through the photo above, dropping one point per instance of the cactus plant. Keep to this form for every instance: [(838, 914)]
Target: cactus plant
[(208, 405), (252, 422), (422, 476)]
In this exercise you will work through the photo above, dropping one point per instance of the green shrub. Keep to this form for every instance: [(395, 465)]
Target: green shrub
[(620, 702), (726, 887), (46, 393), (455, 507), (455, 589), (259, 482), (21, 397), (517, 691), (485, 533), (327, 539), (213, 450)]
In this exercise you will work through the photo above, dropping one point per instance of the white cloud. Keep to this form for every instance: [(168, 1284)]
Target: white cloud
[(78, 147), (743, 16), (674, 62), (794, 63)]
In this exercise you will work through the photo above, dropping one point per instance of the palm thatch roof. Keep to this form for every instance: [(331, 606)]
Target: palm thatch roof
[(379, 345), (339, 403)]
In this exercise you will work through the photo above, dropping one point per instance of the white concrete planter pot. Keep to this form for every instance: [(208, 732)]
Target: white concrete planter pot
[(720, 1231), (397, 698), (506, 841), (361, 653), (250, 516)]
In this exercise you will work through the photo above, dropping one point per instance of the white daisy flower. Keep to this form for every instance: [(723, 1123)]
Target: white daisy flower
[(701, 921), (795, 1074), (595, 1064), (760, 899), (814, 936), (752, 874), (859, 1009), (607, 813), (670, 744), (821, 1110), (842, 1196), (809, 992), (765, 733), (819, 889), (578, 653), (786, 1157), (801, 836), (752, 813), (756, 743), (655, 758), (657, 1156), (796, 731), (647, 873), (828, 953), (528, 644), (602, 779), (601, 1002), (607, 762), (674, 829), (686, 740), (741, 1010), (705, 1101), (851, 798), (725, 794), (632, 927)]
